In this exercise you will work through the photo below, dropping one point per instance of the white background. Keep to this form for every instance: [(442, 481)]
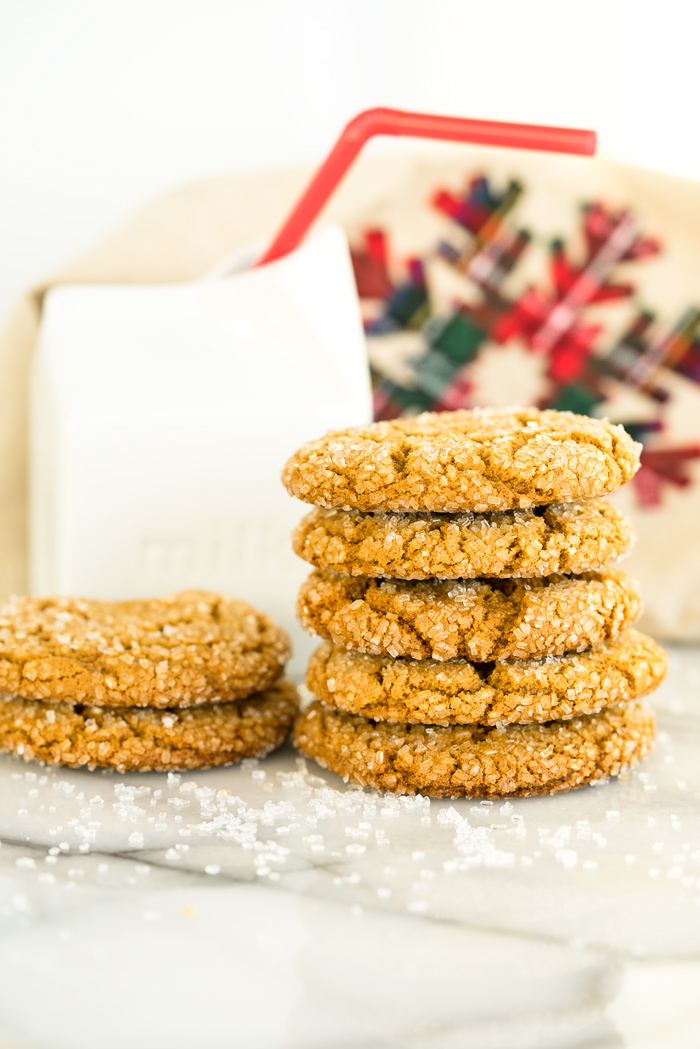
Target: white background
[(107, 103)]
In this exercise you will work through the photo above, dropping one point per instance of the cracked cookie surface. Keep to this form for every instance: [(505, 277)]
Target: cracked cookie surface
[(189, 648), (474, 761), (148, 739), (477, 460), (479, 620), (567, 537), (459, 692)]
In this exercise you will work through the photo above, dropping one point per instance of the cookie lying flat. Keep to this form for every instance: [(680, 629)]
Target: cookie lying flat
[(146, 739), (479, 460), (193, 647), (480, 620), (476, 761), (461, 693), (567, 537)]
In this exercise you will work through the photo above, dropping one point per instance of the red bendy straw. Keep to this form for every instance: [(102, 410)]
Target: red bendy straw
[(417, 125)]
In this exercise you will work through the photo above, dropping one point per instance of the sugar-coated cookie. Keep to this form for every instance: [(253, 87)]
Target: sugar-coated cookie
[(146, 738), (479, 460), (476, 761), (564, 537), (480, 620), (189, 648), (458, 692)]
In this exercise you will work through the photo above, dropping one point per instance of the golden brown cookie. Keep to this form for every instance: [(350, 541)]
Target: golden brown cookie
[(193, 647), (565, 537), (146, 739), (479, 460), (476, 761), (458, 692), (479, 619)]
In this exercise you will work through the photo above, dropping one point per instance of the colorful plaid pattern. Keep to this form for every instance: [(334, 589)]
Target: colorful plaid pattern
[(548, 321)]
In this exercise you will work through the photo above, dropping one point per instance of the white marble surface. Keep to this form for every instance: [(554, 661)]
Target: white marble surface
[(269, 905)]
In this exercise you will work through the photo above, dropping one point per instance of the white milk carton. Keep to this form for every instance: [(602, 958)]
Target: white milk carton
[(162, 416)]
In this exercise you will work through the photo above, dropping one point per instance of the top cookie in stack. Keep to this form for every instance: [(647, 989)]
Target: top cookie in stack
[(449, 541), (478, 460)]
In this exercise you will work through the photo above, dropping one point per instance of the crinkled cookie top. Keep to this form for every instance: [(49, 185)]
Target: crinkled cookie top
[(189, 648), (480, 459)]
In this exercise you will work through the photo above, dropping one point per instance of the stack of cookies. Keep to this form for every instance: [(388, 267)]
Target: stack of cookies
[(478, 640), (188, 681)]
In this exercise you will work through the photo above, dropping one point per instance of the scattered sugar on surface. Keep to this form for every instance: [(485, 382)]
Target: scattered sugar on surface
[(407, 853), (482, 836)]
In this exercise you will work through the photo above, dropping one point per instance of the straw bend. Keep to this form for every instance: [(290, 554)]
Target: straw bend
[(381, 121)]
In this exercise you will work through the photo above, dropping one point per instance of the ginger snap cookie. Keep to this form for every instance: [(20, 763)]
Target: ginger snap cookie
[(193, 647), (476, 761), (479, 460), (479, 620), (148, 739), (458, 692), (567, 537)]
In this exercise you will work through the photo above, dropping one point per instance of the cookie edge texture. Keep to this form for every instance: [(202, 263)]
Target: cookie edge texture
[(380, 688), (362, 752), (438, 546), (336, 606), (141, 739)]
